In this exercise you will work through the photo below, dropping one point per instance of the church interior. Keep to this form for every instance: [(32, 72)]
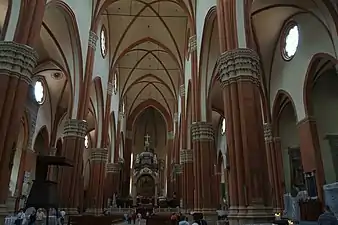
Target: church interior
[(211, 106)]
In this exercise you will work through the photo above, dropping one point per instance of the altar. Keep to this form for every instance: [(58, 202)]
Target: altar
[(145, 177)]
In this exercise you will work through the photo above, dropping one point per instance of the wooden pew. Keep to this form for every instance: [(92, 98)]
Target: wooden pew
[(94, 220)]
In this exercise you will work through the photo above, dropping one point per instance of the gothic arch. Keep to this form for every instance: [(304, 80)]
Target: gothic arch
[(318, 63), (68, 20), (146, 104), (282, 99)]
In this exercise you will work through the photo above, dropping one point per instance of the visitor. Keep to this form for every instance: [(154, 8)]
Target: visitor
[(183, 220), (327, 218), (198, 219), (32, 218), (62, 216), (133, 217), (20, 217), (40, 215), (173, 219)]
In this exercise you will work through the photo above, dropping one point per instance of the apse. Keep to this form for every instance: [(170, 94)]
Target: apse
[(150, 123)]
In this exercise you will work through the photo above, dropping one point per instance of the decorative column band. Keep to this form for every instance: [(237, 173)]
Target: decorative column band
[(186, 156), (52, 151), (177, 168), (92, 40), (192, 44), (17, 60), (182, 90), (268, 132), (113, 168), (98, 154), (170, 135), (202, 131), (176, 116), (238, 64), (110, 88), (75, 128)]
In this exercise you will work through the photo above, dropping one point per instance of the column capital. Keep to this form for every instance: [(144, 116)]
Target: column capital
[(182, 90), (92, 40), (202, 131), (52, 151), (176, 117), (75, 128), (186, 156), (192, 45), (170, 135), (177, 168), (17, 60), (238, 64), (113, 167), (268, 132), (98, 154)]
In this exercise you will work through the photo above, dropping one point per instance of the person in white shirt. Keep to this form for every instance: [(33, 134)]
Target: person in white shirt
[(40, 215), (20, 217)]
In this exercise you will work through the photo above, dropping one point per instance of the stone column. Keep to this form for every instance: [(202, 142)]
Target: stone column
[(17, 62), (70, 189), (170, 144), (203, 140), (126, 168), (273, 167), (186, 160), (250, 189), (98, 160), (310, 151), (112, 179)]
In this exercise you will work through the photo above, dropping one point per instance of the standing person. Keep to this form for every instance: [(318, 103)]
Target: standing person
[(32, 218), (183, 220), (133, 217), (327, 218), (139, 217), (62, 216), (198, 219), (40, 215), (20, 217), (173, 219)]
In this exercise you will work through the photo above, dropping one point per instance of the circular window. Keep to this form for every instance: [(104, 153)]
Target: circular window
[(39, 92), (291, 41), (223, 127), (86, 141), (103, 41), (115, 84)]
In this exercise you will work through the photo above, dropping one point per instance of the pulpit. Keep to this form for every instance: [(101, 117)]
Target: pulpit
[(44, 192)]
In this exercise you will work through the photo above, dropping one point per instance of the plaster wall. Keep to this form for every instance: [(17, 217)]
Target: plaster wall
[(13, 20), (288, 133), (202, 9), (290, 75)]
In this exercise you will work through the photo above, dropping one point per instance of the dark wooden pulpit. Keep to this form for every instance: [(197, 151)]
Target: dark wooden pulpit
[(44, 192)]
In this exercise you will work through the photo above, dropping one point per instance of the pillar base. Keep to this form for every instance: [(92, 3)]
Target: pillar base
[(210, 215), (3, 213), (251, 215), (93, 211), (71, 211)]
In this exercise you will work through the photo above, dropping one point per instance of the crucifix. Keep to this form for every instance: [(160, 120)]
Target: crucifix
[(147, 137)]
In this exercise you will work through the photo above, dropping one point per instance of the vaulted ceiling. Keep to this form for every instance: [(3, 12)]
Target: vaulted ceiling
[(147, 42)]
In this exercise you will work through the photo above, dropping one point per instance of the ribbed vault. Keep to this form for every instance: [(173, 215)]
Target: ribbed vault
[(147, 48)]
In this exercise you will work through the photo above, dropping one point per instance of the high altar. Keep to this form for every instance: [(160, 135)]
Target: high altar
[(145, 180)]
